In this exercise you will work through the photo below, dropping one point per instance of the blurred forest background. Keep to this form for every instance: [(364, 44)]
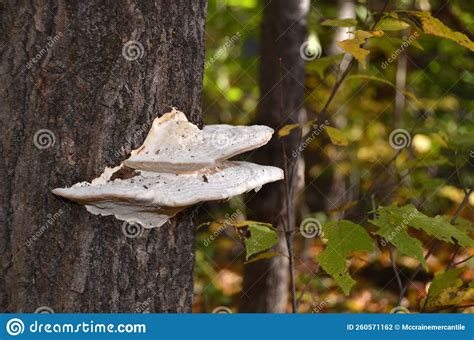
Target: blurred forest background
[(420, 84)]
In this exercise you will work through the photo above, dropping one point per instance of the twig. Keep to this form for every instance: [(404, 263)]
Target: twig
[(434, 245), (458, 211), (462, 261), (390, 252), (289, 233), (302, 292), (449, 307), (288, 226)]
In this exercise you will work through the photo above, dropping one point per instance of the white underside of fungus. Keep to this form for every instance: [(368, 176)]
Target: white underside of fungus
[(177, 166)]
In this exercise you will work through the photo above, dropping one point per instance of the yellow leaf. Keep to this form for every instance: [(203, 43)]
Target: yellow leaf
[(391, 24), (286, 130), (377, 34), (354, 45), (336, 136), (261, 257), (348, 22), (434, 26)]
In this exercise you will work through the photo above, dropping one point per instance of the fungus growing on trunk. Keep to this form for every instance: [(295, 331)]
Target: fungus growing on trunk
[(177, 166)]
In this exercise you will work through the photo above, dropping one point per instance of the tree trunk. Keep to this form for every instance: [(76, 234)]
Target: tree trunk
[(265, 286), (76, 97)]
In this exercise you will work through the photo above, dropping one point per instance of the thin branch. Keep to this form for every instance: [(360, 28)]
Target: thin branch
[(458, 211), (288, 226), (462, 261), (435, 245), (302, 292)]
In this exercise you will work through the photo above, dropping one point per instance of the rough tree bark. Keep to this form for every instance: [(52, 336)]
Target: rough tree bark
[(63, 68), (265, 286)]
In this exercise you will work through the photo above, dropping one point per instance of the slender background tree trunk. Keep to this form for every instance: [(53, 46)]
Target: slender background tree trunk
[(265, 286), (75, 98)]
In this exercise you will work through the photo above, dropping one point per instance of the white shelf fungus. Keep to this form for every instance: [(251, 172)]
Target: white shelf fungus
[(177, 166)]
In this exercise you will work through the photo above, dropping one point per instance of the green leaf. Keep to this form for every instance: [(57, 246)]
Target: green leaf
[(392, 226), (444, 289), (461, 223), (344, 237), (393, 222), (261, 238), (397, 42), (445, 280), (247, 4), (336, 136), (322, 64), (434, 26), (391, 24), (354, 45), (348, 22)]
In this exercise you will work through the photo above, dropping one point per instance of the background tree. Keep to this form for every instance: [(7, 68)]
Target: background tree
[(81, 83), (265, 285)]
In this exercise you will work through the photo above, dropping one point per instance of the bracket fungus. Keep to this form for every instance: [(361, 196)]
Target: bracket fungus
[(177, 166)]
